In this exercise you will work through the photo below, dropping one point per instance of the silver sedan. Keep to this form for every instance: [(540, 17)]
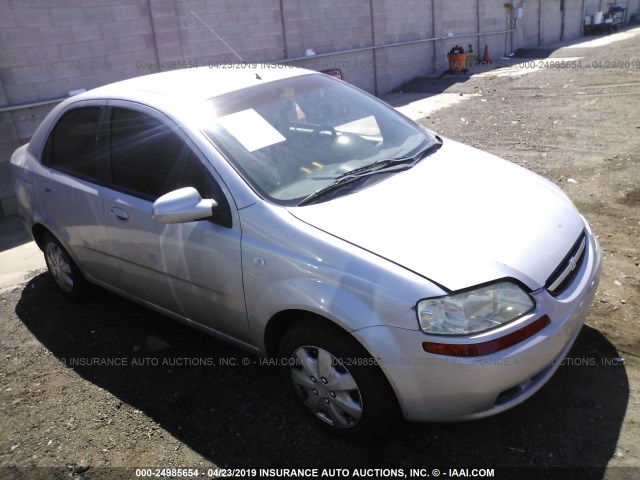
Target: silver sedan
[(387, 270)]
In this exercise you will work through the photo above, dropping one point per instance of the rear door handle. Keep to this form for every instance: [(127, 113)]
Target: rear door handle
[(120, 214), (47, 186)]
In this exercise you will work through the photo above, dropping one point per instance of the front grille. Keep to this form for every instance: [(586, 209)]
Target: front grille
[(565, 273)]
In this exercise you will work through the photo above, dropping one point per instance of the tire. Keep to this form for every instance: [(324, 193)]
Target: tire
[(63, 270), (335, 381)]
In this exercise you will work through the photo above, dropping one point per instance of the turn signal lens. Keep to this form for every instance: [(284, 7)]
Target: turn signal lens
[(487, 348)]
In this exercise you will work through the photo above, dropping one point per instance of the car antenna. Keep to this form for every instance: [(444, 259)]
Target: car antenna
[(219, 38)]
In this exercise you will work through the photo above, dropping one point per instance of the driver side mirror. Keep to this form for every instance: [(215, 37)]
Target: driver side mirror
[(182, 206)]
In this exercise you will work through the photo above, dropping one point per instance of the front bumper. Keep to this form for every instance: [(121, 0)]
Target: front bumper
[(441, 388)]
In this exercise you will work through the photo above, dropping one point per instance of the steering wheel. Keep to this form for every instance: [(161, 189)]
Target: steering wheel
[(321, 136)]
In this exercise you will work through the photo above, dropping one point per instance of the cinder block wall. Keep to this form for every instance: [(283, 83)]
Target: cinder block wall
[(50, 47), (412, 20), (253, 29), (49, 50), (330, 26)]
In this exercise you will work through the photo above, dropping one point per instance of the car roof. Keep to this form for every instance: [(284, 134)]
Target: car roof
[(174, 89), (193, 84)]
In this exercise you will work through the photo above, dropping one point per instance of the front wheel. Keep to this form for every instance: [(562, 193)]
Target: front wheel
[(63, 269), (336, 381)]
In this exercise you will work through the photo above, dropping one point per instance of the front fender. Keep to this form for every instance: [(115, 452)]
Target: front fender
[(290, 265), (327, 300)]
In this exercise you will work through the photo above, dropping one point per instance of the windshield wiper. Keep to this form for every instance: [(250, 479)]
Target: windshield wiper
[(391, 162), (381, 166), (346, 179)]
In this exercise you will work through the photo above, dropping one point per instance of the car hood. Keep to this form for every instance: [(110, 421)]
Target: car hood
[(460, 217)]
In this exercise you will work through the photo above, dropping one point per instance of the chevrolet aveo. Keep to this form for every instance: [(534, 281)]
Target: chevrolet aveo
[(388, 270)]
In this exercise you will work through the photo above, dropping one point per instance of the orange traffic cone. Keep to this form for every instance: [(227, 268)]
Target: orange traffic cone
[(485, 57)]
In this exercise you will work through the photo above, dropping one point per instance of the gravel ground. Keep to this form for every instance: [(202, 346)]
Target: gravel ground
[(579, 127)]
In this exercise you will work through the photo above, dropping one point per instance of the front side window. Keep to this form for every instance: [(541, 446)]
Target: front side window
[(148, 159), (72, 146), (293, 137)]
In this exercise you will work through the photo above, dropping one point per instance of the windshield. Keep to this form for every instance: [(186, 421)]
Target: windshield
[(293, 137)]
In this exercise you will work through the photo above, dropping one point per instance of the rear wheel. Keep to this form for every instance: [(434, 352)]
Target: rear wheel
[(336, 381), (63, 269)]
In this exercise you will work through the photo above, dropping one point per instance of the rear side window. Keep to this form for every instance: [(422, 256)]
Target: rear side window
[(72, 146), (148, 159)]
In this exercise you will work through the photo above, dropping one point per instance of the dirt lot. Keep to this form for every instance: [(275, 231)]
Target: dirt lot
[(578, 126)]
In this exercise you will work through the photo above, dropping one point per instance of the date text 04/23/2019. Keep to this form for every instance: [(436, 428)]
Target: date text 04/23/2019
[(371, 473)]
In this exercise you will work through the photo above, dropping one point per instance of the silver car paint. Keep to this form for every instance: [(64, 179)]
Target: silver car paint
[(437, 388), (492, 220), (351, 270), (289, 265)]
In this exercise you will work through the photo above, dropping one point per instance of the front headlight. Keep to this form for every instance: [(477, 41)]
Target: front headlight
[(474, 311)]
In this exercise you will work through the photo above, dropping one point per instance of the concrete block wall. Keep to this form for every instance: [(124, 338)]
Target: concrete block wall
[(327, 26), (8, 143), (166, 31), (50, 47), (550, 21), (48, 50), (460, 17), (529, 25), (401, 22), (542, 21), (495, 17), (593, 6), (573, 19), (454, 17), (330, 26), (357, 68), (633, 6), (253, 29)]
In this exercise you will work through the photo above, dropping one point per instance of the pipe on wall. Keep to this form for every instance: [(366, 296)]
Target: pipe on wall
[(391, 45), (24, 106), (295, 59)]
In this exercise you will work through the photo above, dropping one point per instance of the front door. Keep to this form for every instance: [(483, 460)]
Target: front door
[(191, 269)]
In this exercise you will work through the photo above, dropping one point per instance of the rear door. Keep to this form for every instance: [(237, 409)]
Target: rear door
[(69, 193), (190, 269)]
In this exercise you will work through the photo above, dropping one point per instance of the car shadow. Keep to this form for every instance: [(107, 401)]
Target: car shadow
[(227, 406)]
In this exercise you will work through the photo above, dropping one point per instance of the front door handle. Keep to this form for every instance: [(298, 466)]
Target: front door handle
[(120, 214)]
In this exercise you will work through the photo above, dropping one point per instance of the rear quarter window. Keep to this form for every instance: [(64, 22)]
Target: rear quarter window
[(72, 146)]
